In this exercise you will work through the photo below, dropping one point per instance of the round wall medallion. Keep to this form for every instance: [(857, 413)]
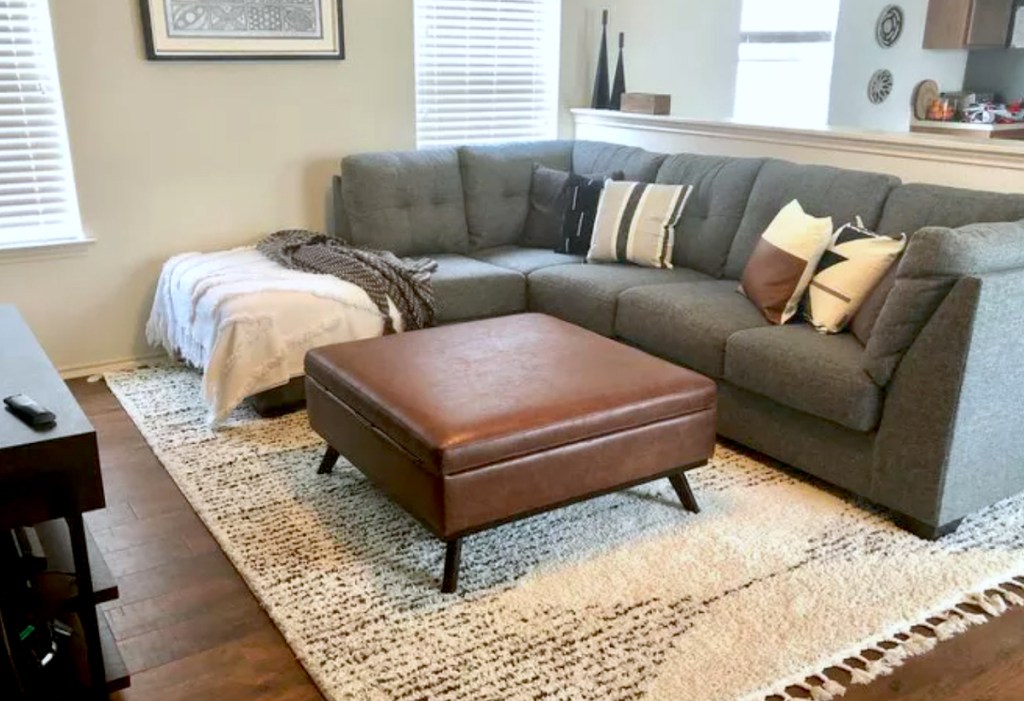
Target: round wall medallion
[(890, 26), (880, 86)]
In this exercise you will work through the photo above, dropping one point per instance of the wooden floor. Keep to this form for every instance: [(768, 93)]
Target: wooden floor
[(189, 628)]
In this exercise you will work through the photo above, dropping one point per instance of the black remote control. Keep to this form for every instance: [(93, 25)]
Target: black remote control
[(26, 409)]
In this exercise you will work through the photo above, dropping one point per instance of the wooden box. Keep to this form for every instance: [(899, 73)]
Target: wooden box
[(646, 103)]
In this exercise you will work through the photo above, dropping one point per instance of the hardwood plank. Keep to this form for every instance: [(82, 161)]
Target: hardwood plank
[(115, 514), (189, 622), (255, 667), (181, 523), (152, 554), (234, 617), (161, 580), (175, 606)]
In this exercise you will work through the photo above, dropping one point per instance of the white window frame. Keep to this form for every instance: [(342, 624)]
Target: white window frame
[(445, 116), (41, 58)]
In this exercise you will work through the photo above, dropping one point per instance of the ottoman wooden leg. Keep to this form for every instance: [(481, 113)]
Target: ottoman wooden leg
[(452, 554), (682, 487), (327, 464)]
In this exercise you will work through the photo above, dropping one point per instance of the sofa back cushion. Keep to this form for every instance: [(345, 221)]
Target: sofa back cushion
[(823, 191), (496, 180), (721, 188), (915, 206), (935, 259), (636, 164), (409, 203)]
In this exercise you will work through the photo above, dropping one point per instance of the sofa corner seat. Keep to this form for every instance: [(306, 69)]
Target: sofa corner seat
[(467, 289)]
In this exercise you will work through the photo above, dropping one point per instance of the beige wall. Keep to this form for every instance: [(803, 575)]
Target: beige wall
[(172, 157), (858, 55), (684, 48)]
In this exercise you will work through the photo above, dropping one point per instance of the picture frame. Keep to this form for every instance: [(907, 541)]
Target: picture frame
[(243, 30)]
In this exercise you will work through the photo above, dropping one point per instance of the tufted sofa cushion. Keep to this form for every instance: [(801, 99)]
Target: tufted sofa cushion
[(408, 203), (636, 164), (822, 191), (497, 187), (721, 188)]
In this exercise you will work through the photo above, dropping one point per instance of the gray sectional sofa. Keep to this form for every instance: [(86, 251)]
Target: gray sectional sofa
[(941, 438)]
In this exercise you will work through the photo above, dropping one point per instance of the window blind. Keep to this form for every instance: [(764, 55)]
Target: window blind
[(486, 71), (37, 194)]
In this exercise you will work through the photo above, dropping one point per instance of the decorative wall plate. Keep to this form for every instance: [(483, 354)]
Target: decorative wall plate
[(890, 26), (880, 86), (926, 92)]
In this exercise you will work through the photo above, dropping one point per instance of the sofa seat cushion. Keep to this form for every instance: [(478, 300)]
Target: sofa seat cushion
[(524, 260), (811, 372), (408, 203), (465, 289), (687, 323), (588, 294)]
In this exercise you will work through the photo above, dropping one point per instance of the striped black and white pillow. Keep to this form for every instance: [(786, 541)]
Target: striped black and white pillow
[(636, 223)]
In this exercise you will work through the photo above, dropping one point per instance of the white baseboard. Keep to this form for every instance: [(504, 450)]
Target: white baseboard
[(72, 372)]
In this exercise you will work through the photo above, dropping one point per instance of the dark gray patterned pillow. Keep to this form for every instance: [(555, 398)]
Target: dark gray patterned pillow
[(550, 197), (547, 207), (583, 194)]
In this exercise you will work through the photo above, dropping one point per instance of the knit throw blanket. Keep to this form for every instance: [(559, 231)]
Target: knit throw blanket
[(383, 275)]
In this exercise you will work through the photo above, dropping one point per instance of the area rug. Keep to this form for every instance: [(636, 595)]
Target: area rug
[(623, 597)]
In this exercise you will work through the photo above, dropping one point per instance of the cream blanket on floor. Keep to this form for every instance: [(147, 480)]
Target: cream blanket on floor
[(247, 322)]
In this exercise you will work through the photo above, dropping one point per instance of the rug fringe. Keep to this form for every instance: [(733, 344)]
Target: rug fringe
[(884, 657)]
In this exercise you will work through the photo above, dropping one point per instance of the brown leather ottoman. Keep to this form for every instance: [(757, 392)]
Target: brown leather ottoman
[(476, 424)]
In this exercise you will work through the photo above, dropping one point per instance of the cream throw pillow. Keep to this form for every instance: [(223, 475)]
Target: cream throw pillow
[(784, 261), (636, 223), (856, 261)]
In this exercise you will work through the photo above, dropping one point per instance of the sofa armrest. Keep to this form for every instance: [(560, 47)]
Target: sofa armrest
[(951, 439), (336, 216)]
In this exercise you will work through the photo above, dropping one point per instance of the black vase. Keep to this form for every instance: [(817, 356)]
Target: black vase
[(619, 84), (601, 97)]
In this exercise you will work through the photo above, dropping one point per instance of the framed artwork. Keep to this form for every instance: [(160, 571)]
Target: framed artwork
[(243, 29)]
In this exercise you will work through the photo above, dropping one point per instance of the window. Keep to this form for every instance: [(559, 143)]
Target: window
[(486, 71), (38, 204), (785, 61)]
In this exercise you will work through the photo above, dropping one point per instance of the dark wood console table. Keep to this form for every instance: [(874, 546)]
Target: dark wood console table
[(48, 479)]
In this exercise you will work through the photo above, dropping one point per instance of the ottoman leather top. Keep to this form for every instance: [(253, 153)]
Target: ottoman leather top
[(463, 396)]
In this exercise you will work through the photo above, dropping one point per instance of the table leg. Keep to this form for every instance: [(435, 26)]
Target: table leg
[(86, 605), (452, 555), (327, 464), (683, 491)]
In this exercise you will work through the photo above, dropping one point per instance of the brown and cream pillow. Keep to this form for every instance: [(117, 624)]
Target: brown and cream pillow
[(636, 223), (855, 261), (784, 261)]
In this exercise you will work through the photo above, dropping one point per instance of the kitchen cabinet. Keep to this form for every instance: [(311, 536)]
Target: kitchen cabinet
[(968, 24)]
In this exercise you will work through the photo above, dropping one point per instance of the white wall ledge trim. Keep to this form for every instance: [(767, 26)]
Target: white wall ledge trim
[(947, 150)]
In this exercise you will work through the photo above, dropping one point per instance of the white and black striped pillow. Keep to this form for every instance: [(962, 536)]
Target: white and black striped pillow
[(636, 223)]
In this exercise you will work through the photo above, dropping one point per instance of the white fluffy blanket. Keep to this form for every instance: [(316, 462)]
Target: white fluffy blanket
[(247, 322)]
